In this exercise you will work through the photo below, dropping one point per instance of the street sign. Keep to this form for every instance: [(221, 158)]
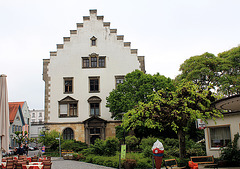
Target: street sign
[(123, 151), (42, 135)]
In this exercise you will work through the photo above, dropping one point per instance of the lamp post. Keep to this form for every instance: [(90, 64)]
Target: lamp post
[(59, 138), (11, 141), (44, 131)]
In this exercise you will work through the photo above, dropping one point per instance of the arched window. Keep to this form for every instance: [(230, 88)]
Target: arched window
[(94, 103), (68, 134)]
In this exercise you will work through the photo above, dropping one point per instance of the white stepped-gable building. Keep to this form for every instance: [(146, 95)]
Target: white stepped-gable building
[(79, 76)]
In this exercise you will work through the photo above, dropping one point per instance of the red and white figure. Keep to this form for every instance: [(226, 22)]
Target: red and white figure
[(158, 151)]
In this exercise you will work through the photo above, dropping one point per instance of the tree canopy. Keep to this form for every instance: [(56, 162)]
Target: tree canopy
[(222, 71), (175, 108), (136, 87)]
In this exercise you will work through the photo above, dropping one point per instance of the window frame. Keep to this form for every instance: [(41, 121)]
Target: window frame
[(117, 78), (94, 100), (98, 84), (68, 101), (94, 61), (100, 62), (222, 139), (64, 85), (93, 41), (66, 133)]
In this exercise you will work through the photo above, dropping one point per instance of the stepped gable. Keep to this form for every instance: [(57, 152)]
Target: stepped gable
[(93, 16)]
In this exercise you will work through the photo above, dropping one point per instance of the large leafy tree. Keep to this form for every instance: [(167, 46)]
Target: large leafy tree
[(136, 87), (176, 108), (202, 70), (222, 71), (229, 81)]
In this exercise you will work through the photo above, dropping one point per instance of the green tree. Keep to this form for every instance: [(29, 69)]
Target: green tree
[(229, 81), (202, 70), (48, 139), (174, 108), (136, 87), (21, 137), (222, 71)]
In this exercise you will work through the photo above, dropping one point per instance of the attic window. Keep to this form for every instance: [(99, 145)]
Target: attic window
[(93, 41)]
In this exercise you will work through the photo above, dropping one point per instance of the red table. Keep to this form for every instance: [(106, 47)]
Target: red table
[(32, 166)]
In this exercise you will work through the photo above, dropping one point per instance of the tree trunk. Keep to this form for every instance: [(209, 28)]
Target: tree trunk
[(182, 148)]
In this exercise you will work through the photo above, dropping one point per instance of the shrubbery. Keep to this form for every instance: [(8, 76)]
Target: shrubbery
[(107, 147), (73, 145)]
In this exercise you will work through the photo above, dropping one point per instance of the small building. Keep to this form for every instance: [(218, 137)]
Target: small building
[(37, 122), (222, 132), (16, 121), (80, 75)]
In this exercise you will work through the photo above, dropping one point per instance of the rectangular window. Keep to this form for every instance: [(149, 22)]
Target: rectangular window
[(119, 79), (85, 62), (94, 109), (13, 128), (101, 62), (220, 136), (68, 109), (94, 84), (72, 109), (33, 115), (94, 42), (68, 85), (40, 114), (93, 61), (63, 110)]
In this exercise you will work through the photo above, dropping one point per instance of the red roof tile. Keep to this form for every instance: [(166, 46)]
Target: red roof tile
[(13, 108)]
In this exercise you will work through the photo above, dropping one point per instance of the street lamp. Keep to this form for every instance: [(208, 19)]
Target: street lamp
[(59, 138), (44, 129), (11, 143)]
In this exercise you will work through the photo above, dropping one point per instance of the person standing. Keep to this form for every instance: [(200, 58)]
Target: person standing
[(26, 148), (20, 150)]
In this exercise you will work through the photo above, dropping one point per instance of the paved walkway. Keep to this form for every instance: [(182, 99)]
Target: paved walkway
[(59, 163)]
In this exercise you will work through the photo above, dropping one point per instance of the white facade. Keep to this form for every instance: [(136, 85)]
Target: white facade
[(37, 116), (92, 40), (222, 132), (37, 122)]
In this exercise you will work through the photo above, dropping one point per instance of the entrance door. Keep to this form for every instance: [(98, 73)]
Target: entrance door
[(93, 138)]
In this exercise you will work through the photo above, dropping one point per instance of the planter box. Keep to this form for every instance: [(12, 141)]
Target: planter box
[(65, 157)]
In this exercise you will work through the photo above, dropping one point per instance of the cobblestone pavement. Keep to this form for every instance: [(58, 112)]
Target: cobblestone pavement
[(59, 163)]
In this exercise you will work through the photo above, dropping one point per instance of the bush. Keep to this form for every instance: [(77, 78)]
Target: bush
[(132, 142), (73, 145), (231, 154), (107, 147)]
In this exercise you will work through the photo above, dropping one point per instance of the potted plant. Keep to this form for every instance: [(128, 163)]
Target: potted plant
[(129, 163)]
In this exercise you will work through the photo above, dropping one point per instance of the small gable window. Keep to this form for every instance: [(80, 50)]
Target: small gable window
[(93, 41)]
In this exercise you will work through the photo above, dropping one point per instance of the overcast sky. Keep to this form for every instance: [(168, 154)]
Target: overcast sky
[(166, 32)]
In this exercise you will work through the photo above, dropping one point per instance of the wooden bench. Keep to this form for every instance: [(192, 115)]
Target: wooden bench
[(172, 164), (204, 161)]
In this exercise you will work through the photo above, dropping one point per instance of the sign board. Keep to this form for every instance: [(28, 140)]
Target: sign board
[(200, 124), (43, 149), (42, 135), (123, 151)]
